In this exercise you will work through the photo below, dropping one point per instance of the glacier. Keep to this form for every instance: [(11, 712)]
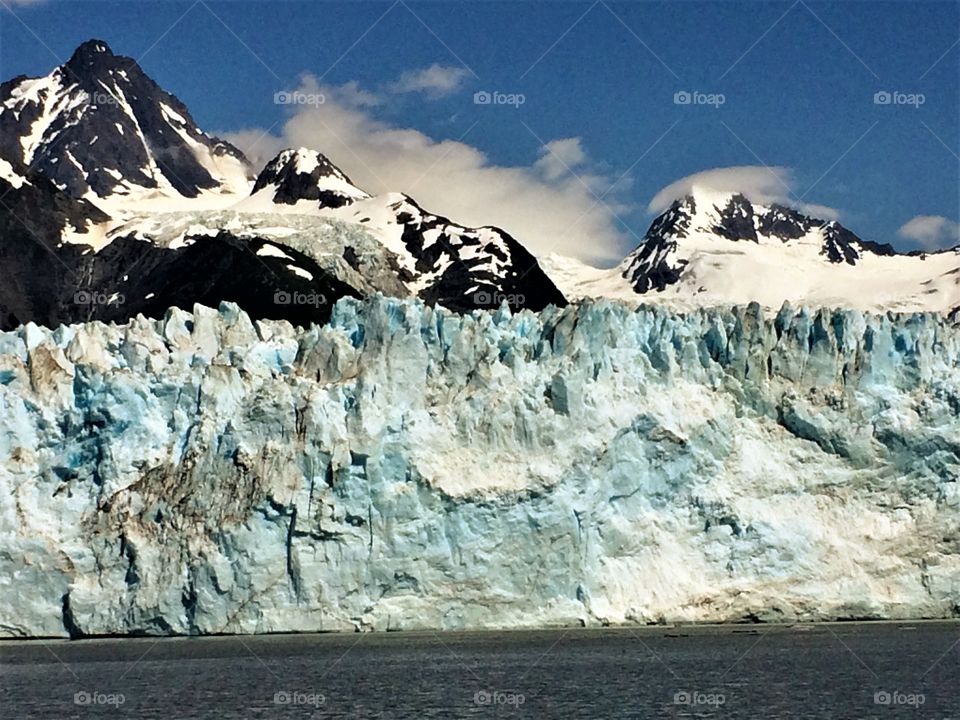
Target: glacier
[(407, 467)]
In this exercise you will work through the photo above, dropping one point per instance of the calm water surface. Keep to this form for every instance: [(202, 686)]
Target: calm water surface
[(909, 670)]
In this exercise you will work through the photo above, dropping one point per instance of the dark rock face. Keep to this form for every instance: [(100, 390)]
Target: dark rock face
[(109, 123), (736, 220), (650, 268), (36, 275), (784, 223), (208, 271), (478, 267)]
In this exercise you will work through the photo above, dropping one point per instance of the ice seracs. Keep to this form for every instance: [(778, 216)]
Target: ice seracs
[(408, 467)]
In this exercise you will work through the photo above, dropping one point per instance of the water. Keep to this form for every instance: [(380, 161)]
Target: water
[(851, 670)]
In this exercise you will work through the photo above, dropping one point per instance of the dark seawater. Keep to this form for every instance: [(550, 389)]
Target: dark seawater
[(854, 670)]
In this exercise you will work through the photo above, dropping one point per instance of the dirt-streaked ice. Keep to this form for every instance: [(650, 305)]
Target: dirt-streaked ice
[(405, 467)]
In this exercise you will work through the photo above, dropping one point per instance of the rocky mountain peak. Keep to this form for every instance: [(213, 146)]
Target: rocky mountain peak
[(304, 174)]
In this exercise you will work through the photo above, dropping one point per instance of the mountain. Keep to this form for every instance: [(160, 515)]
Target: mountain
[(114, 204), (668, 245), (146, 211), (98, 127), (717, 248), (296, 176), (439, 260)]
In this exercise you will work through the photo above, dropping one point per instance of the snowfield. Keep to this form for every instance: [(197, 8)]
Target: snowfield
[(712, 248), (408, 467)]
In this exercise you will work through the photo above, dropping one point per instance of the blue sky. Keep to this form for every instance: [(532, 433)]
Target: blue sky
[(797, 80)]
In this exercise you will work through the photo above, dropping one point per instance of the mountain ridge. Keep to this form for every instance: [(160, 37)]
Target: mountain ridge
[(144, 187)]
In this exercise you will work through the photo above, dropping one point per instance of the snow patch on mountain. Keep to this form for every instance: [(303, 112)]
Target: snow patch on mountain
[(10, 175)]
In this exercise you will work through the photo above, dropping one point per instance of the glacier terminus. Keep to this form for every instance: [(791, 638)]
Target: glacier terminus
[(408, 467)]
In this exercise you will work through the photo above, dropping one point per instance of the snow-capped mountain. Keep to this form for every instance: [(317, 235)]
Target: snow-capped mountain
[(99, 128), (660, 260), (148, 212), (439, 260), (299, 176), (112, 191), (315, 233), (717, 248)]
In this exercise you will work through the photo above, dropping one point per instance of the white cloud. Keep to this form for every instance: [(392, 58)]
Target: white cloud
[(543, 205), (351, 94), (759, 184), (561, 157), (931, 232), (435, 81)]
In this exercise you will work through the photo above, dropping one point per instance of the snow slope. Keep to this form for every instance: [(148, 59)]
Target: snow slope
[(408, 467), (715, 248)]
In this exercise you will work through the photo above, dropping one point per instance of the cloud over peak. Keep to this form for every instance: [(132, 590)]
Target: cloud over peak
[(435, 81), (549, 205), (758, 183), (931, 232)]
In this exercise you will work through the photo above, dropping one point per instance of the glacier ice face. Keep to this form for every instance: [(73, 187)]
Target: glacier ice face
[(407, 467)]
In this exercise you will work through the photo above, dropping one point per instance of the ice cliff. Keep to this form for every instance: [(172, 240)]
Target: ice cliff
[(406, 467)]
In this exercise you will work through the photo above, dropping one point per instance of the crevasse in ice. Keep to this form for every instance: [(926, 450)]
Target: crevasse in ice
[(408, 467)]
